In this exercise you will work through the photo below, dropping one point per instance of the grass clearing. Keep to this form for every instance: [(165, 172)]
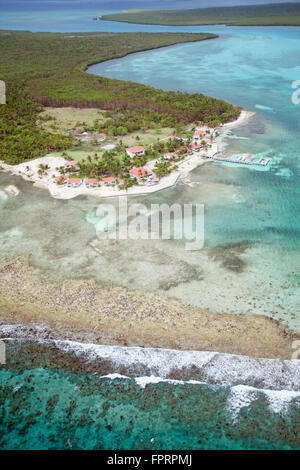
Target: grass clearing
[(71, 118)]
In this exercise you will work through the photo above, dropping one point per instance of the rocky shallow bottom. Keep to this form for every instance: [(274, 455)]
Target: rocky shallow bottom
[(86, 311)]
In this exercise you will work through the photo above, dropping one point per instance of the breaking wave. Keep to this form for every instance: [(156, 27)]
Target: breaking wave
[(204, 366), (247, 380)]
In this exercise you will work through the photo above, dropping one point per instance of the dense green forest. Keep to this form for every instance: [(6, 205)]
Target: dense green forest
[(21, 138), (53, 67), (248, 15)]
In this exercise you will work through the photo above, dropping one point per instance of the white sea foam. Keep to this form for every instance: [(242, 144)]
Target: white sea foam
[(114, 376), (247, 378), (237, 137), (152, 379), (144, 381), (214, 367), (242, 396), (265, 108), (210, 367)]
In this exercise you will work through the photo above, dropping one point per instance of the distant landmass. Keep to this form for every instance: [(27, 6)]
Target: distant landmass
[(283, 14)]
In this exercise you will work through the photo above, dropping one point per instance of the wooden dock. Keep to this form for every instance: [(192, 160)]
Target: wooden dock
[(242, 159)]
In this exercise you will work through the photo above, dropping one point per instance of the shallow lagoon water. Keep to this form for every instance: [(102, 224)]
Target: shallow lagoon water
[(251, 258), (254, 67), (250, 262)]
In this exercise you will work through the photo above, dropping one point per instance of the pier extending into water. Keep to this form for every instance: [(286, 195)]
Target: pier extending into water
[(242, 159)]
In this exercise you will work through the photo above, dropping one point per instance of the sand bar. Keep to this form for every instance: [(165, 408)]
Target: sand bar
[(104, 314)]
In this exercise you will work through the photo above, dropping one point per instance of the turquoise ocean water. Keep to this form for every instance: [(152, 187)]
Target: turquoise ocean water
[(55, 396)]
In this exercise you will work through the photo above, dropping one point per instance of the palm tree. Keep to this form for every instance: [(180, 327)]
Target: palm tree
[(43, 168)]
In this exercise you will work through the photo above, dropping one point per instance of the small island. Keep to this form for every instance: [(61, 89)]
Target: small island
[(282, 14)]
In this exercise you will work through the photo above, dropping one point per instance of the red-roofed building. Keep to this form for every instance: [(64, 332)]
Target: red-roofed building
[(135, 151), (175, 137), (72, 164), (74, 182), (61, 179), (170, 155), (199, 134), (139, 173), (101, 137), (109, 180), (195, 147), (91, 182), (184, 149)]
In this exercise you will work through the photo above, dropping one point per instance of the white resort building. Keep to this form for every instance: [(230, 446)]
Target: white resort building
[(170, 155), (72, 165), (139, 173), (91, 182), (199, 134), (74, 182), (109, 180), (135, 151)]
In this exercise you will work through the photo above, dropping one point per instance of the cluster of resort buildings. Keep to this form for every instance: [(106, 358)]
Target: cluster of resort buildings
[(138, 174)]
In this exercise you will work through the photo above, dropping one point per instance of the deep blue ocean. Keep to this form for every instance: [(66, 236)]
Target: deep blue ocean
[(59, 395)]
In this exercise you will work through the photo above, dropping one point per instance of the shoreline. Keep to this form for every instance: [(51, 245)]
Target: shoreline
[(61, 192), (202, 25), (243, 117), (87, 66), (90, 312)]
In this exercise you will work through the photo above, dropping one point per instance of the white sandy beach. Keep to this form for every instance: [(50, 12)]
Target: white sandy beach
[(30, 172), (243, 117)]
